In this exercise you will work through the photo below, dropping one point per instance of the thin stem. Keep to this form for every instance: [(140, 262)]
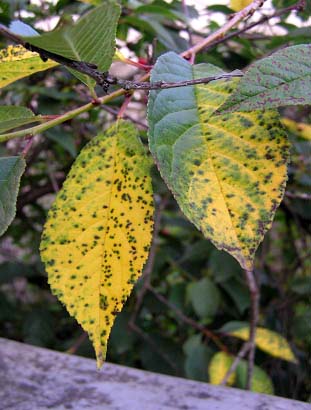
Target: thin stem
[(220, 33), (298, 6), (160, 85), (298, 195), (202, 329), (242, 353), (60, 119), (254, 293)]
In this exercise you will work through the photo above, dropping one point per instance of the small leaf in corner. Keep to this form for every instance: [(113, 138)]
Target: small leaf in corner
[(11, 170)]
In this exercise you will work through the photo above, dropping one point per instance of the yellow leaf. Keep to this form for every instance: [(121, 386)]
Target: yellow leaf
[(238, 5), (268, 341), (218, 368), (97, 236), (301, 129), (227, 172), (16, 62)]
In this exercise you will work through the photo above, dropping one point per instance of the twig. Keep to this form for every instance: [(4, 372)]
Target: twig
[(209, 334), (104, 80), (29, 142), (129, 117), (242, 353), (154, 346), (127, 100), (160, 85), (220, 33), (186, 13), (254, 293), (73, 349), (298, 6), (298, 195)]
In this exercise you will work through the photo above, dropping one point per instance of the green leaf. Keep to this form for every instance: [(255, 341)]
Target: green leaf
[(284, 78), (205, 297), (91, 39), (238, 292), (11, 170), (16, 62), (261, 382), (267, 340), (218, 368), (97, 236), (64, 139), (197, 358), (227, 172), (14, 116)]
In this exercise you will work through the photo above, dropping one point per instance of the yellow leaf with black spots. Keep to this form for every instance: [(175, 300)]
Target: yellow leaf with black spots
[(98, 233), (218, 368), (16, 62), (227, 171), (268, 341)]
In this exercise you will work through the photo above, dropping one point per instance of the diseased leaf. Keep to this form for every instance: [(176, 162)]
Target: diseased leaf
[(218, 368), (91, 39), (13, 116), (98, 232), (266, 340), (11, 170), (282, 79), (227, 172), (16, 62), (261, 382)]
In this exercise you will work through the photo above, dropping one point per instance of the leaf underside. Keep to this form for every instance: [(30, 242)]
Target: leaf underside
[(227, 172), (16, 62), (98, 232), (91, 39), (11, 170), (282, 79)]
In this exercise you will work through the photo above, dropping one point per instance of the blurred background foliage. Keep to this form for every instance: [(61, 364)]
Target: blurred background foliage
[(188, 284)]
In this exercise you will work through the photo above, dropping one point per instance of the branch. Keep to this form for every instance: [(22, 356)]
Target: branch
[(209, 334), (254, 292), (238, 358), (160, 85), (298, 195), (300, 5), (104, 80), (219, 34)]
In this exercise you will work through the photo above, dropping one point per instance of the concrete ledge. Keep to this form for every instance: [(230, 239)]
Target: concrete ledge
[(33, 378)]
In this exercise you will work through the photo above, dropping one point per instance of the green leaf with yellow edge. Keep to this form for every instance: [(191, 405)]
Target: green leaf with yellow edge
[(97, 236), (261, 382), (16, 62), (218, 368), (266, 340), (227, 172)]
